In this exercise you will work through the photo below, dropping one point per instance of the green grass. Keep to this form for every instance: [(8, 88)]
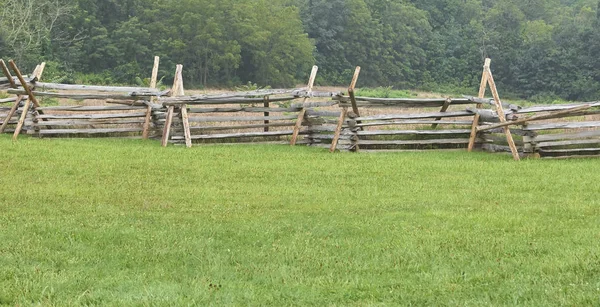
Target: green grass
[(123, 222)]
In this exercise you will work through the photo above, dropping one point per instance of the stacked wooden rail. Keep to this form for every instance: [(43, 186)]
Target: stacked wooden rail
[(406, 124), (270, 116), (554, 131)]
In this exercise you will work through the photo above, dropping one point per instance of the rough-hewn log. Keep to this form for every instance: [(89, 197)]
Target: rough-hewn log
[(92, 108), (243, 109), (413, 132), (415, 116), (415, 122), (92, 116), (237, 135), (89, 131), (238, 118), (563, 125), (566, 136), (534, 118), (79, 96)]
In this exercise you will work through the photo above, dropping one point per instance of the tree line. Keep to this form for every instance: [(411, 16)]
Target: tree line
[(539, 48)]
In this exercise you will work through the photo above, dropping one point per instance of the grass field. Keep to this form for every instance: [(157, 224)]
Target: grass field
[(125, 222)]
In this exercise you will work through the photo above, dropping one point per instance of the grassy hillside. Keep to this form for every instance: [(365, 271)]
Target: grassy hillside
[(123, 222)]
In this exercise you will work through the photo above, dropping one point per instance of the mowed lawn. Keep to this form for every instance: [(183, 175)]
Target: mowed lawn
[(126, 222)]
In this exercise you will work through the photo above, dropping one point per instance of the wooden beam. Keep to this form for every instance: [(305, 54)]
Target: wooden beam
[(37, 74), (175, 92), (153, 81), (23, 83), (482, 88), (443, 110), (534, 118), (351, 91), (500, 110), (311, 83), (338, 129), (15, 106)]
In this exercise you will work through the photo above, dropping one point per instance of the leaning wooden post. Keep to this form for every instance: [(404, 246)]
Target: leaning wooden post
[(443, 110), (153, 81), (340, 124), (311, 83), (351, 91), (482, 87), (31, 99), (184, 114), (170, 108), (500, 110), (15, 106)]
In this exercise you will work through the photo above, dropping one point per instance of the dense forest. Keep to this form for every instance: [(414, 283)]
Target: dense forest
[(539, 48)]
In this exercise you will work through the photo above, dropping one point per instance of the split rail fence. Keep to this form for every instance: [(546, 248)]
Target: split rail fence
[(298, 116)]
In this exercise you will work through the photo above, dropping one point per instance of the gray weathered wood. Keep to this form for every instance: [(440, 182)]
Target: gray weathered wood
[(415, 142), (92, 108), (79, 96), (242, 109), (91, 122), (563, 125), (238, 118), (556, 107), (566, 136), (96, 88), (415, 122), (92, 116), (413, 132), (88, 131), (567, 143), (238, 135), (416, 116), (239, 127)]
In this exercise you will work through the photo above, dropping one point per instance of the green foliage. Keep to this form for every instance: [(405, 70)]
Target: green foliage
[(538, 47), (125, 222)]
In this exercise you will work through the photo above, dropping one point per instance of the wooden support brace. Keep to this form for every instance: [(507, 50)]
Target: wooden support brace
[(167, 128), (443, 110), (37, 74), (177, 90), (311, 83), (15, 106), (338, 129), (500, 111), (482, 88), (153, 82), (351, 91)]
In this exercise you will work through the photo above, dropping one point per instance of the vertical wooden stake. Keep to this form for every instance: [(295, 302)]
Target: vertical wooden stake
[(311, 83), (38, 74), (184, 114), (177, 88), (266, 114), (482, 87), (500, 110), (153, 81)]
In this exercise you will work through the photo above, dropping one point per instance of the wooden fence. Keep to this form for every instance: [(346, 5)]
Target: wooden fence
[(298, 116)]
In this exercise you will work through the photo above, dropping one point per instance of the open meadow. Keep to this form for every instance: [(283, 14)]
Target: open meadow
[(126, 222)]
